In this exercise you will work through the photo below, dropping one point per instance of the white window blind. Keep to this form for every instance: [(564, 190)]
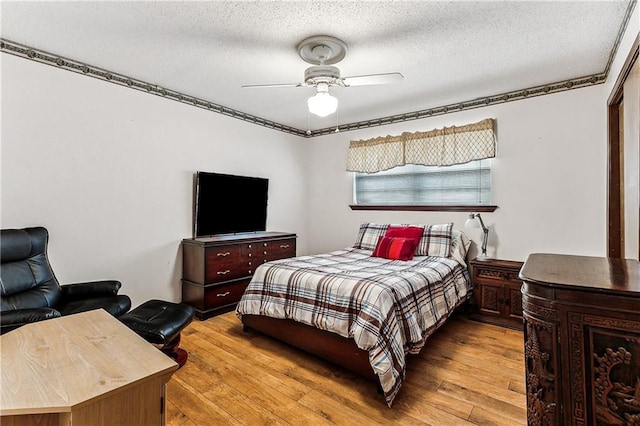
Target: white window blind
[(460, 184)]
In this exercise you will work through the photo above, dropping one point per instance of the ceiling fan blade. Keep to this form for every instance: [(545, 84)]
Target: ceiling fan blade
[(254, 86), (364, 80)]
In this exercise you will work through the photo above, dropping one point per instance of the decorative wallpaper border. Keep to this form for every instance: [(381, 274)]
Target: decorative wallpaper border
[(41, 56), (13, 48), (531, 92)]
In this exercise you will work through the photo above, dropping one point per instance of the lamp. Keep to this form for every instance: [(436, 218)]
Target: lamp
[(471, 223), (322, 103)]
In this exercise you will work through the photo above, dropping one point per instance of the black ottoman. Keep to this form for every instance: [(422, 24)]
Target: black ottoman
[(160, 323)]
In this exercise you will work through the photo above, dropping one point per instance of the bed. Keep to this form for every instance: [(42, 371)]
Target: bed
[(359, 309)]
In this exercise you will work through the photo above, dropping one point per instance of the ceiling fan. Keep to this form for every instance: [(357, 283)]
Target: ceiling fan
[(322, 52)]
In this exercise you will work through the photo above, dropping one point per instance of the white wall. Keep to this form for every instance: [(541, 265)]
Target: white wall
[(549, 176), (108, 170), (549, 179), (631, 163)]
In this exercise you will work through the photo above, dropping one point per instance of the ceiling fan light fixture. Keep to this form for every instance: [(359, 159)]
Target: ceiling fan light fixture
[(322, 103), (322, 52)]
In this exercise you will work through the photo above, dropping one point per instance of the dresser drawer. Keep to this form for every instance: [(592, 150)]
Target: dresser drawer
[(225, 294), (281, 249), (256, 252), (496, 275), (225, 263), (265, 251)]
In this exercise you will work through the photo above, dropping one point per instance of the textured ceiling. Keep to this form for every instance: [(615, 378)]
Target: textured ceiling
[(448, 52)]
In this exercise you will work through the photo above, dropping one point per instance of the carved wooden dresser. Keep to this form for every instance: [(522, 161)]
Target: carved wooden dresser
[(582, 340)]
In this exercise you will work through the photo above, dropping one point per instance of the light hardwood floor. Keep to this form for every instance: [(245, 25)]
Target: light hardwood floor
[(468, 373)]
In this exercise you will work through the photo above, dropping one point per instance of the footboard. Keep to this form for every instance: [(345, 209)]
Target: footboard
[(321, 343)]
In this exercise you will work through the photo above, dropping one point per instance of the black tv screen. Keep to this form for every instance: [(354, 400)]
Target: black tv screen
[(229, 204)]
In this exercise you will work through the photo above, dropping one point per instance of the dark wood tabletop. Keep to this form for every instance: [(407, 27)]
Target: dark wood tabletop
[(598, 274)]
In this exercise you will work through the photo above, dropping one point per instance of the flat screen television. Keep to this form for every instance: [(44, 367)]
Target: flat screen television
[(229, 204)]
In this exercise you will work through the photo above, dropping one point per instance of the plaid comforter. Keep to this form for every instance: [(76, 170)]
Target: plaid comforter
[(388, 307)]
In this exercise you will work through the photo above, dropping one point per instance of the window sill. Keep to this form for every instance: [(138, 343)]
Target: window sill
[(426, 208)]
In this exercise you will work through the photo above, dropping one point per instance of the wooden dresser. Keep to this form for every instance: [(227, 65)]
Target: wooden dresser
[(496, 292), (582, 340), (216, 270)]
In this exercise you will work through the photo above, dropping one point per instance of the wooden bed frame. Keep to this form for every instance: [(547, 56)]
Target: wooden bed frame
[(324, 344)]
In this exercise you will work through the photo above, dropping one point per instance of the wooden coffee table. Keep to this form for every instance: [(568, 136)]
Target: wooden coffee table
[(81, 369)]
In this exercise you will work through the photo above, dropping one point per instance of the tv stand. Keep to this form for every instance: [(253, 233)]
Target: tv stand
[(216, 270)]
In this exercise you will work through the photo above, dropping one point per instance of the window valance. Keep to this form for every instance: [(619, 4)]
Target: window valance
[(438, 147)]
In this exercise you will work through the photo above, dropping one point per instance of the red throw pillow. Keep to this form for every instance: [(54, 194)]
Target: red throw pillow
[(411, 232), (395, 248)]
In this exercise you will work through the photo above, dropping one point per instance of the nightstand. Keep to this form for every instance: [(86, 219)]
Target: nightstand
[(496, 293)]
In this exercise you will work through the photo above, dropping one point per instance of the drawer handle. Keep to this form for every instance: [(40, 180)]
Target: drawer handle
[(226, 253), (264, 252), (223, 272), (226, 293), (284, 245)]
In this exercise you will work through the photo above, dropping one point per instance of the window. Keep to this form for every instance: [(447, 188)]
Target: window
[(466, 184), (446, 169)]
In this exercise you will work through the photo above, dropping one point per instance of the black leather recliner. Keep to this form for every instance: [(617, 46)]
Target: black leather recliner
[(30, 290)]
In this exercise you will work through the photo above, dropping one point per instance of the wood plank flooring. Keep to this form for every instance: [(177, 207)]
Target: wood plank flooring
[(468, 373)]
